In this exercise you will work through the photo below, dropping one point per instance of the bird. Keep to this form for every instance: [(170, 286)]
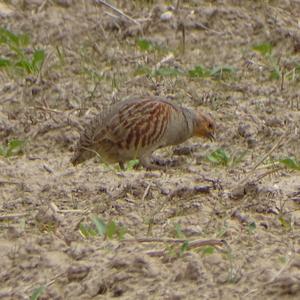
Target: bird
[(136, 127)]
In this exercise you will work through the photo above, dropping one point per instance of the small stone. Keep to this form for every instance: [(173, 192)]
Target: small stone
[(166, 16), (77, 272)]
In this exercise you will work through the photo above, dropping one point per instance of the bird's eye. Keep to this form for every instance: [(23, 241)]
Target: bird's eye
[(210, 126)]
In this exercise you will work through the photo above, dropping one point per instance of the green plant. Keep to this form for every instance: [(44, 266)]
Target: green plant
[(178, 232), (108, 230), (19, 59), (266, 50), (251, 227), (37, 293), (132, 164), (145, 45), (290, 163), (148, 46), (285, 223), (207, 250), (167, 72), (222, 157), (184, 248), (218, 72), (198, 71), (14, 147)]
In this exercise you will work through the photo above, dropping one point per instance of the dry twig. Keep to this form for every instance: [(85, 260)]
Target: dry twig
[(12, 216), (117, 11), (277, 144)]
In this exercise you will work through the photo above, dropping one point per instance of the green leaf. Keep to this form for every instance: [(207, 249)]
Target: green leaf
[(38, 59), (5, 63), (25, 65), (184, 247), (275, 74), (87, 231), (251, 227), (8, 37), (100, 226), (264, 49), (132, 163), (220, 156), (284, 223), (199, 71), (14, 147), (12, 39), (290, 163), (178, 231), (111, 229), (208, 250), (37, 293), (145, 45), (167, 72)]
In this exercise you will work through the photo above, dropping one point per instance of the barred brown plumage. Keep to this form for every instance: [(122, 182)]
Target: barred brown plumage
[(135, 128)]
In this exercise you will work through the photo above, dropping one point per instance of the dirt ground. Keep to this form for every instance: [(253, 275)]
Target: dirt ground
[(247, 210)]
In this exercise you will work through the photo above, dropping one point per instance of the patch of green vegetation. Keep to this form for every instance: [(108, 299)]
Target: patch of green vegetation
[(294, 73), (37, 293), (14, 147), (145, 45), (19, 61), (266, 50), (132, 164), (148, 46), (276, 71), (285, 223), (222, 157), (251, 227), (108, 230), (218, 72), (290, 163), (208, 250), (178, 231), (198, 71), (167, 72), (183, 248)]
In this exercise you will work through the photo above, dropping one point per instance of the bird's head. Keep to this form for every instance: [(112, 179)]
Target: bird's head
[(204, 126)]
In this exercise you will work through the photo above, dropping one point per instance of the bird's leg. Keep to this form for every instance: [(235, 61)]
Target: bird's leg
[(121, 165)]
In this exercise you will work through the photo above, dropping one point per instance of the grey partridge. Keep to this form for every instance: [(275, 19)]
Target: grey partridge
[(135, 128)]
